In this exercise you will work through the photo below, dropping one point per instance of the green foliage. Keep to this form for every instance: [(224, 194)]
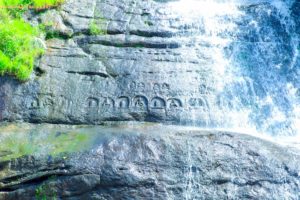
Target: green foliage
[(149, 23), (10, 8), (67, 142), (17, 48), (96, 29), (18, 39), (45, 191), (23, 148), (40, 194), (36, 3), (41, 3), (15, 8), (15, 144)]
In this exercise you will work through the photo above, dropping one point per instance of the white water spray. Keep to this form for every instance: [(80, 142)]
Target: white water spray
[(248, 91)]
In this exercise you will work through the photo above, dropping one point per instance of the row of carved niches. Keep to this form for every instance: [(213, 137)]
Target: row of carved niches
[(138, 103), (142, 103), (157, 107), (94, 109)]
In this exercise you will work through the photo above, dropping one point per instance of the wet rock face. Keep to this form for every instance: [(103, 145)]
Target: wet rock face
[(159, 61), (146, 162)]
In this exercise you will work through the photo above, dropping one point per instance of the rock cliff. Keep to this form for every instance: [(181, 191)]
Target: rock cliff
[(161, 61), (209, 64)]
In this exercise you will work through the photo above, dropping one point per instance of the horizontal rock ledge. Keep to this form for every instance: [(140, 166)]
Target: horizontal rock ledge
[(142, 161)]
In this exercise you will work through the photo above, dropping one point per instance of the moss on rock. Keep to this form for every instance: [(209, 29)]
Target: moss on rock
[(21, 140)]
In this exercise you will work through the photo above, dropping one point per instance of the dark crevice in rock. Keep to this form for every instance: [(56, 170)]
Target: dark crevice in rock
[(112, 184), (290, 172), (220, 181), (66, 56), (26, 176), (115, 32), (36, 181), (3, 165), (58, 35), (39, 71), (227, 145), (13, 178), (133, 44), (248, 183), (252, 153), (259, 182), (163, 34), (35, 121), (54, 122), (142, 45), (18, 181), (88, 73)]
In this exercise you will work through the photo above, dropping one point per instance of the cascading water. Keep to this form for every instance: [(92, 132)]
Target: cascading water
[(215, 64), (250, 62)]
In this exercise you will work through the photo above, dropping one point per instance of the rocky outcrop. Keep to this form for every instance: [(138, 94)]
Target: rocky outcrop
[(142, 161), (157, 61), (160, 61)]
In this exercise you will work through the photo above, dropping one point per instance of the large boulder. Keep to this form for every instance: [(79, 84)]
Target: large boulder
[(142, 161)]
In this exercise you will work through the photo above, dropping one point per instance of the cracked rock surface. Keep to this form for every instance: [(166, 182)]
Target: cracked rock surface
[(152, 61), (145, 161)]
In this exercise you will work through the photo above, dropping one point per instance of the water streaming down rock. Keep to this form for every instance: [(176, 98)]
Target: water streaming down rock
[(221, 64), (211, 28), (253, 51)]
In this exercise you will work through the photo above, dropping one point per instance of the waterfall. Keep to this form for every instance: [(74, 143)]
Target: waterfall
[(249, 57)]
